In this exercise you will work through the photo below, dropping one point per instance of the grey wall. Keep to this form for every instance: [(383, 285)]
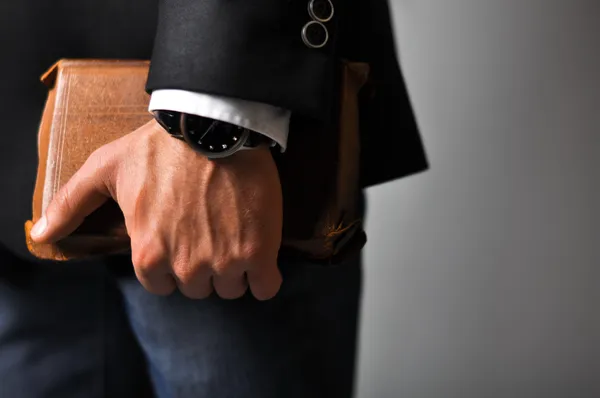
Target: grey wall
[(482, 275)]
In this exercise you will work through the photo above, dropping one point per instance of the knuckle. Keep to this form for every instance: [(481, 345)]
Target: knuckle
[(225, 265), (187, 274), (253, 253), (147, 256), (182, 258)]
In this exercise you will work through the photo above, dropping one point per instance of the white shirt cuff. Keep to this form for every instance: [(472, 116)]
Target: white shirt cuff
[(265, 119)]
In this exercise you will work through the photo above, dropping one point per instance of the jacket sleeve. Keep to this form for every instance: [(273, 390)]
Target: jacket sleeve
[(253, 50), (391, 143), (247, 49)]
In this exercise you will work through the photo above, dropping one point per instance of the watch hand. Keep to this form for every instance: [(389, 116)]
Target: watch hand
[(209, 129)]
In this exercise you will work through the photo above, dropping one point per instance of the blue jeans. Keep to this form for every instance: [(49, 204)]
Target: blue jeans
[(89, 330)]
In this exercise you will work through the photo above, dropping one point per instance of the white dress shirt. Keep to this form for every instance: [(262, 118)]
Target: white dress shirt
[(265, 119)]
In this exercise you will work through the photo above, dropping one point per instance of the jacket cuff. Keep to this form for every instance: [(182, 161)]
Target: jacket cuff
[(251, 50)]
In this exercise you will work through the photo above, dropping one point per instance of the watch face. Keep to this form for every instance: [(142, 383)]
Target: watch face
[(169, 120), (212, 137)]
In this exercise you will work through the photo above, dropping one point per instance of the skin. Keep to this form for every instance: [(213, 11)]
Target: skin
[(195, 224)]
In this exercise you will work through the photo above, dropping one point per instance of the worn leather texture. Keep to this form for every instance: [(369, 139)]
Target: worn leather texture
[(93, 102)]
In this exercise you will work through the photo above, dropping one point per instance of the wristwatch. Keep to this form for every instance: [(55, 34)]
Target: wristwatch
[(212, 138)]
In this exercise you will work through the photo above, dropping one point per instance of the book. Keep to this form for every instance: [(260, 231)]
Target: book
[(93, 102)]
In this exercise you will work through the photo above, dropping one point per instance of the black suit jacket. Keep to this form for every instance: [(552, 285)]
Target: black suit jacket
[(250, 49), (254, 50)]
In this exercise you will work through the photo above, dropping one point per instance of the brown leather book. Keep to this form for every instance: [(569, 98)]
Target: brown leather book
[(92, 102)]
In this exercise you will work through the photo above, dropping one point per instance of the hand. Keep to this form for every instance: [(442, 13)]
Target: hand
[(193, 223)]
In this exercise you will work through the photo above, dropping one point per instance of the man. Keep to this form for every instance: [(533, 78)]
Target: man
[(203, 308)]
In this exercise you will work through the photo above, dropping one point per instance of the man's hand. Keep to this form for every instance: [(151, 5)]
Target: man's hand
[(194, 223)]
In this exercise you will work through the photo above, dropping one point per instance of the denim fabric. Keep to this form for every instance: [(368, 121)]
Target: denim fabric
[(78, 330), (63, 334)]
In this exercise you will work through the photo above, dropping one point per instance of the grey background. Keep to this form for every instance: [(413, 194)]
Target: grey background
[(482, 275)]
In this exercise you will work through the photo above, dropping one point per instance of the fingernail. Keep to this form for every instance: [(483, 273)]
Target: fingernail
[(39, 227)]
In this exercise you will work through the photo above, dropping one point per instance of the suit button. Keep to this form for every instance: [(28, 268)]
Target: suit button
[(321, 10), (314, 34)]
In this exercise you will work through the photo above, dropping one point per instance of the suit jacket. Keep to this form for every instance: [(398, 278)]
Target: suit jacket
[(239, 48), (254, 50)]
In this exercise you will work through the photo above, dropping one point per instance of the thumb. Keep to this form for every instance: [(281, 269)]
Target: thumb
[(85, 192)]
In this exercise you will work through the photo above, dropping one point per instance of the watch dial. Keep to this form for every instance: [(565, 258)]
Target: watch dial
[(169, 120), (212, 136)]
